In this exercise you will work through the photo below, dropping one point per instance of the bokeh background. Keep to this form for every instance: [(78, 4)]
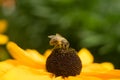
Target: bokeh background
[(93, 24)]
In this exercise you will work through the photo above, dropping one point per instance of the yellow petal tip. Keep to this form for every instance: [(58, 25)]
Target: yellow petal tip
[(85, 56), (3, 25), (3, 39)]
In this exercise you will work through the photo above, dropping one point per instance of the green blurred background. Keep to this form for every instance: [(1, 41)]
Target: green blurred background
[(94, 24)]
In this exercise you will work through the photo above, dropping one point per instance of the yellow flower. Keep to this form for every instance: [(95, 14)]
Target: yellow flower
[(3, 38), (30, 65)]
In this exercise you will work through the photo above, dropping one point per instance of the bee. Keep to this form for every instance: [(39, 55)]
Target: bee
[(58, 41)]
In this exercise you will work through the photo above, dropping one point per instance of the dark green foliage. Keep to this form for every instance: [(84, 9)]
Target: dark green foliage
[(93, 24)]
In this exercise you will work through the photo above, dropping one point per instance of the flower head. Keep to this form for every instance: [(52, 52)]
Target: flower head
[(29, 64)]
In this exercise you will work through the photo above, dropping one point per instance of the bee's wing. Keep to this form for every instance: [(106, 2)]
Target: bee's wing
[(58, 35), (51, 36)]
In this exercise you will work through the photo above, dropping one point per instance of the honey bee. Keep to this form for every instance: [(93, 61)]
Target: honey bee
[(58, 41)]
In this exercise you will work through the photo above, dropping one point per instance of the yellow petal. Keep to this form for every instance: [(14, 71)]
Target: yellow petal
[(73, 78), (113, 79), (107, 65), (3, 39), (58, 78), (85, 56), (25, 73), (3, 25), (34, 53), (47, 53), (25, 57), (5, 66), (83, 78), (98, 67), (113, 74)]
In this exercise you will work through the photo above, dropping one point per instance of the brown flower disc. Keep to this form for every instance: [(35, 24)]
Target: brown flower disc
[(64, 62)]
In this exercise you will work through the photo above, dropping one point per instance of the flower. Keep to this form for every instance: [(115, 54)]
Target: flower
[(3, 38), (29, 64)]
